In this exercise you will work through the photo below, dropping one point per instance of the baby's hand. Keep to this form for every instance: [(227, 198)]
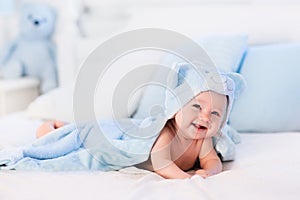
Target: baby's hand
[(47, 127), (203, 173)]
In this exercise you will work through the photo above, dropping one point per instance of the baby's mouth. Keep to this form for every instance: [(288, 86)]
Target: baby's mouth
[(199, 126)]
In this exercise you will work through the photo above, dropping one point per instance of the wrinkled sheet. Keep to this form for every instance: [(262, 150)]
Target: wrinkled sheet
[(266, 167)]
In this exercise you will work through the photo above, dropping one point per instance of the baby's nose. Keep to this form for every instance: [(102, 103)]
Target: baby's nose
[(205, 117)]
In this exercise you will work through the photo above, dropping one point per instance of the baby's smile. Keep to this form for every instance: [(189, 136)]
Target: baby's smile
[(200, 126)]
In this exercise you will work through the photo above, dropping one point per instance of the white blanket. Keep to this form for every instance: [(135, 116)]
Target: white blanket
[(266, 167)]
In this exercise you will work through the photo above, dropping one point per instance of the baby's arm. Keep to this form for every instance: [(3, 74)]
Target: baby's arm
[(210, 164), (172, 171), (161, 157), (47, 127)]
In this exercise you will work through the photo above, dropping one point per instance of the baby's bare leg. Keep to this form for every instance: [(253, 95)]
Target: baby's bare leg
[(47, 127)]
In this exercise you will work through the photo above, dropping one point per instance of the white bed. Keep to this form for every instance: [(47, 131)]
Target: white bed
[(266, 165)]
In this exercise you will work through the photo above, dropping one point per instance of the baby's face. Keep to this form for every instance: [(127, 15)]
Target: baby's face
[(202, 117)]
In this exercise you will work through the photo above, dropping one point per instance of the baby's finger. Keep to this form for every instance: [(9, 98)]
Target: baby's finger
[(202, 173), (44, 129)]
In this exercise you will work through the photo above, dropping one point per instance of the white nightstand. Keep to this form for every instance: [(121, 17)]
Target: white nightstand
[(16, 94)]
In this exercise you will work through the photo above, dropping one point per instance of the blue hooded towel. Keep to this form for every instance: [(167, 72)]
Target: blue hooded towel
[(115, 144)]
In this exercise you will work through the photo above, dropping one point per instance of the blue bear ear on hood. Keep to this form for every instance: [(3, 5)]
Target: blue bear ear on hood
[(181, 69), (172, 79), (240, 83), (179, 73)]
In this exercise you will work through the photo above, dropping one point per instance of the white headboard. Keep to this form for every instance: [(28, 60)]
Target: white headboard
[(263, 23)]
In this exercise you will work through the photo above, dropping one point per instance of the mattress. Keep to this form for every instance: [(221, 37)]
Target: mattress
[(266, 167)]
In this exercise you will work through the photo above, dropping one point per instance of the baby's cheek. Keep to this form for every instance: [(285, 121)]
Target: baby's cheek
[(215, 127)]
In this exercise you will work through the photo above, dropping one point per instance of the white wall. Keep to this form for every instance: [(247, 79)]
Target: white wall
[(102, 18), (168, 2)]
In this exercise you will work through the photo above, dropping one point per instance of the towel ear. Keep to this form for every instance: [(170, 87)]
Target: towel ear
[(177, 74), (240, 83)]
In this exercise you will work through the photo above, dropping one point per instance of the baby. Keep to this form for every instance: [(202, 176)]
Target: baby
[(188, 137), (185, 138), (196, 106)]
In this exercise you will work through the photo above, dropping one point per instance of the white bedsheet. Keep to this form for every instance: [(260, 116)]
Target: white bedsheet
[(266, 167), (16, 129)]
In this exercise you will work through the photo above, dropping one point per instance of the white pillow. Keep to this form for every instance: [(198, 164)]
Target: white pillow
[(56, 104), (125, 75), (84, 47)]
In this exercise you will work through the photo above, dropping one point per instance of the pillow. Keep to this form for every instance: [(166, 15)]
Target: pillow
[(84, 48), (271, 101), (225, 50), (56, 104)]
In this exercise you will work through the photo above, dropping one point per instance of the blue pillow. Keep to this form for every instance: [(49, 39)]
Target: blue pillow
[(225, 50), (271, 102)]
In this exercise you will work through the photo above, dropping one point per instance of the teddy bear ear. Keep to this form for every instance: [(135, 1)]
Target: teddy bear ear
[(26, 6), (53, 11), (240, 83), (30, 6)]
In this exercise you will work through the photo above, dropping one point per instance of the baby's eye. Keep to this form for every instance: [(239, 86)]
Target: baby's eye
[(215, 113), (197, 106)]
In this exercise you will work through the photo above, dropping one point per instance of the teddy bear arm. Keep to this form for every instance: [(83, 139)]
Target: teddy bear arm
[(10, 51), (10, 66), (12, 69), (52, 51)]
